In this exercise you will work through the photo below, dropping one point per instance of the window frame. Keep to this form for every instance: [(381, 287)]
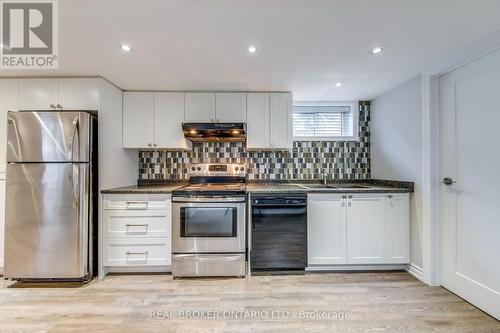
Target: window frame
[(354, 105)]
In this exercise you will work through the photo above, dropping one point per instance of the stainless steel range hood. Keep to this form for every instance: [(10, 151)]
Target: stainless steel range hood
[(215, 132)]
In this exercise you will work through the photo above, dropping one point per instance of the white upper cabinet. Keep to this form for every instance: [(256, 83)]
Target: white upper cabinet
[(168, 119), (215, 107), (200, 107), (366, 229), (38, 94), (78, 94), (153, 120), (231, 107), (138, 119), (326, 229), (269, 121), (398, 228), (280, 121), (58, 94), (257, 120)]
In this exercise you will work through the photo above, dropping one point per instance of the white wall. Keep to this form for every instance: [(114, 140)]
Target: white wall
[(397, 148), (8, 102)]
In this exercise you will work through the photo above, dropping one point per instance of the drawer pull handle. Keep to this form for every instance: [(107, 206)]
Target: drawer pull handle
[(136, 204), (129, 253), (136, 225)]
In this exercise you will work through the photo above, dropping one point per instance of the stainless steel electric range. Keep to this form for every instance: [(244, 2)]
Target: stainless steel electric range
[(208, 225)]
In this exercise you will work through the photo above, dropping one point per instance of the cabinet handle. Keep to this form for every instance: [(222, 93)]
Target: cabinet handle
[(59, 106), (129, 253), (390, 196), (137, 225), (52, 106), (149, 145), (344, 197), (154, 145)]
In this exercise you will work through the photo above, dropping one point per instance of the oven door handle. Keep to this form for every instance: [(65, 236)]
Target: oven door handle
[(208, 199), (211, 257)]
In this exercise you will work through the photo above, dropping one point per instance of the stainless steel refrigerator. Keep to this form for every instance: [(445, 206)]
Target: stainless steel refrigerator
[(51, 195)]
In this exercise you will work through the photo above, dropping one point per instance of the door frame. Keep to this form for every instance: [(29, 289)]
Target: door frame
[(432, 238)]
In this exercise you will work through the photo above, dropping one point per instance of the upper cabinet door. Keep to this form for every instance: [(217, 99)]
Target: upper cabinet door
[(326, 229), (78, 94), (280, 120), (257, 120), (138, 117), (366, 229), (168, 119), (38, 94), (200, 107), (398, 228), (231, 107)]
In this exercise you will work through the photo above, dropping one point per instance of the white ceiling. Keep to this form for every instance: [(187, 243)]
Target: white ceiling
[(303, 45)]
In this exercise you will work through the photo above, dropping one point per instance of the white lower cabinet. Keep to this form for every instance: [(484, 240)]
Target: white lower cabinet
[(398, 228), (326, 229), (358, 229), (135, 233), (137, 252), (366, 229)]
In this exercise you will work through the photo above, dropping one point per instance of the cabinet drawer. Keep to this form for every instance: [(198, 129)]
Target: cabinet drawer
[(137, 252), (136, 223), (137, 201)]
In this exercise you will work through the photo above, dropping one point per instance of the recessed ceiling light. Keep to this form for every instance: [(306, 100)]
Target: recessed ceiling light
[(339, 84), (252, 49), (125, 47), (377, 50)]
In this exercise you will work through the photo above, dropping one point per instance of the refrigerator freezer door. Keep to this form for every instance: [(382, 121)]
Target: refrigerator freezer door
[(48, 136), (46, 224)]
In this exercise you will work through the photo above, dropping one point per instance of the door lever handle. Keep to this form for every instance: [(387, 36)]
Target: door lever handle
[(448, 181)]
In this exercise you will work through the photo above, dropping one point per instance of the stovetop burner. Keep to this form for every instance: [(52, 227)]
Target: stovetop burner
[(215, 180)]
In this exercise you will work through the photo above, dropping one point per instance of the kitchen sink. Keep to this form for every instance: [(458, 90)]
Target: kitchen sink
[(351, 186), (333, 186)]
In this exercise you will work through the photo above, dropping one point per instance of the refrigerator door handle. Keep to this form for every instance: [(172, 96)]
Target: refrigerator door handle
[(75, 183), (75, 135)]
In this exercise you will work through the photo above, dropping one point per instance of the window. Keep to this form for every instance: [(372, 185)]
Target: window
[(325, 121)]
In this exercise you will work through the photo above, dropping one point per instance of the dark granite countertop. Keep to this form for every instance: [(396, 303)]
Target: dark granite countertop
[(165, 188), (319, 188), (340, 186)]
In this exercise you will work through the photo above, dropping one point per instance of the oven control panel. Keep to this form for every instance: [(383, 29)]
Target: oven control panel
[(230, 170)]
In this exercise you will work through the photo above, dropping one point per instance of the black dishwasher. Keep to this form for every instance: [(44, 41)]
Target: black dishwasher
[(279, 232)]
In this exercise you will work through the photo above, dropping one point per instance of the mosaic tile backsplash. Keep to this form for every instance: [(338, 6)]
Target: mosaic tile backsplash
[(306, 161)]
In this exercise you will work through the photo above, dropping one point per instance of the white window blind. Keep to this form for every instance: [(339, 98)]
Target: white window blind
[(323, 122)]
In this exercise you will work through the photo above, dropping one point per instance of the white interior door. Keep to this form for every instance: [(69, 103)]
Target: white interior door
[(471, 206)]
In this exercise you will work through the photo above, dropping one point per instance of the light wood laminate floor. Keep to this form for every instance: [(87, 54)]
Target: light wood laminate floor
[(376, 302)]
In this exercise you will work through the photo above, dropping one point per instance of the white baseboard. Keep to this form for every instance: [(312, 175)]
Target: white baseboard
[(346, 268), (138, 269), (415, 271)]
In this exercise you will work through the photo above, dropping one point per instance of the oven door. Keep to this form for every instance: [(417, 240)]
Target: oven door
[(199, 226)]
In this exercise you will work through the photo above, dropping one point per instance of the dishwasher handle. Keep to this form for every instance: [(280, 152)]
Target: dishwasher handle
[(279, 201)]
